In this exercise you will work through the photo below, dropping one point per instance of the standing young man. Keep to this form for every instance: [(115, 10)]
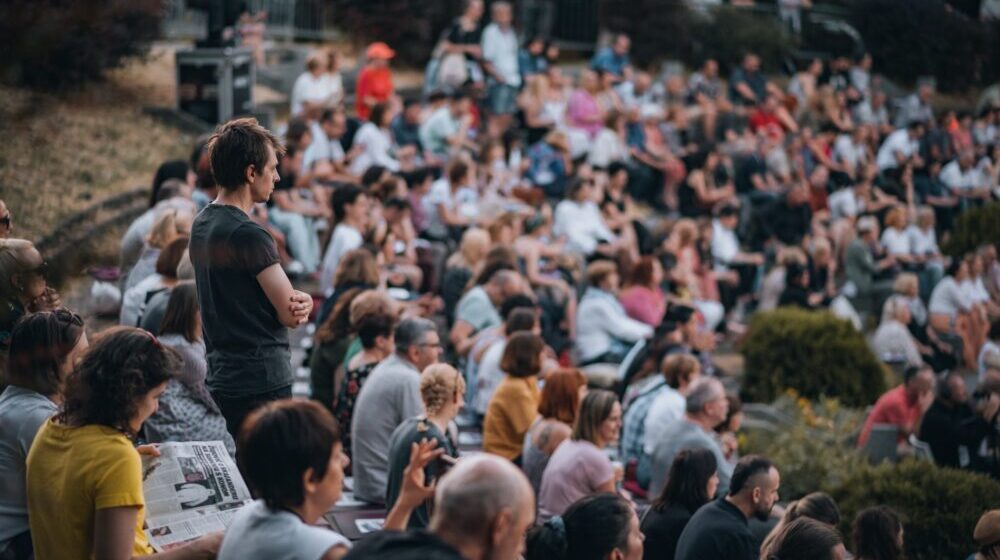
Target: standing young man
[(247, 302)]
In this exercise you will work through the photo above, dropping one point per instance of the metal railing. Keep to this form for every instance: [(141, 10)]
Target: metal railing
[(287, 20)]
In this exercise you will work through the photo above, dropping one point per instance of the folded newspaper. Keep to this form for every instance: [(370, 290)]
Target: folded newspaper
[(191, 489)]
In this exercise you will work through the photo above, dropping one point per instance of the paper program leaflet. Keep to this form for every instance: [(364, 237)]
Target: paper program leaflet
[(191, 489)]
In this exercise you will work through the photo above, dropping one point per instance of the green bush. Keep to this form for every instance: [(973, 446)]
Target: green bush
[(974, 228), (816, 451), (58, 44), (812, 352), (939, 507), (670, 29)]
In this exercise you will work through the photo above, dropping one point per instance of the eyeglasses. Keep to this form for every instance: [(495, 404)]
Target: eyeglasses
[(6, 221)]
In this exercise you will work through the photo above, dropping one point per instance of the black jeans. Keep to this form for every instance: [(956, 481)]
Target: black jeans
[(235, 408)]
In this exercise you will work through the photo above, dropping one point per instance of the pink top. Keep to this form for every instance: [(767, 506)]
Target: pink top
[(644, 304), (583, 112), (577, 469)]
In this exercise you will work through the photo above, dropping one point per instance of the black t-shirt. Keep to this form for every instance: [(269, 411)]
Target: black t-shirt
[(411, 545), (459, 36), (246, 343), (717, 530), (662, 530)]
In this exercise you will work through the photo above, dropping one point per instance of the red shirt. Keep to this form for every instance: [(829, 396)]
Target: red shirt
[(892, 408), (372, 82)]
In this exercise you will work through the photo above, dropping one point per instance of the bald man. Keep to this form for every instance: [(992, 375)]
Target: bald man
[(482, 509)]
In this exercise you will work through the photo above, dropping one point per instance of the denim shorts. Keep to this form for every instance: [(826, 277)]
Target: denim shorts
[(502, 99)]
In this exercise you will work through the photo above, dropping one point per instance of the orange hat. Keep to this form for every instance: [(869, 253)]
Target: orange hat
[(379, 50)]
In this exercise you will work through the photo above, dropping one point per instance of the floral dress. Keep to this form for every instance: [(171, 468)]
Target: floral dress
[(343, 407)]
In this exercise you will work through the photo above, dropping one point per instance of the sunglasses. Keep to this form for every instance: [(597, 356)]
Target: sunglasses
[(67, 316), (6, 221)]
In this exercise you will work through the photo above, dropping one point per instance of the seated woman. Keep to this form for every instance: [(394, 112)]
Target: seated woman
[(709, 184), (441, 389), (187, 411), (168, 226), (605, 333), (374, 329), (515, 402), (165, 278), (643, 297), (580, 467), (375, 141), (23, 288), (579, 219), (692, 483), (817, 506), (453, 203), (950, 309), (892, 341), (292, 493), (44, 347), (84, 458), (557, 410), (695, 280), (549, 164), (598, 527)]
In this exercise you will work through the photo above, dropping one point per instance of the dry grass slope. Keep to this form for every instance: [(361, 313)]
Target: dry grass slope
[(62, 153)]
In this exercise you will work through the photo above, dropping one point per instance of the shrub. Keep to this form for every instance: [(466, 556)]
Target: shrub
[(939, 507), (974, 228), (57, 44), (812, 352), (815, 451), (411, 28), (670, 29), (926, 37)]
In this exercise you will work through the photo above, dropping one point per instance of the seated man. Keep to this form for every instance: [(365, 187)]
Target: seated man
[(862, 269), (903, 406), (953, 429), (605, 333), (477, 310), (706, 407), (293, 493), (389, 396)]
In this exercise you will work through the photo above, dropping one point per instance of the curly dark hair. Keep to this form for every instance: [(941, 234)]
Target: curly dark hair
[(119, 368)]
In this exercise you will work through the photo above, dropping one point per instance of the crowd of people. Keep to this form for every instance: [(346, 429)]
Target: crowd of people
[(547, 254)]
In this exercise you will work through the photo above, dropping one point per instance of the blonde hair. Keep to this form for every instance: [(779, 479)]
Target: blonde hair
[(906, 284), (925, 216), (167, 227), (896, 217), (685, 232), (472, 249), (789, 255), (595, 408), (13, 260), (439, 385)]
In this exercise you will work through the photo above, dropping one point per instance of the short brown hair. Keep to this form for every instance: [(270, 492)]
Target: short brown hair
[(236, 145), (522, 356), (642, 272), (561, 394), (680, 367), (39, 344), (599, 270), (182, 308), (302, 433)]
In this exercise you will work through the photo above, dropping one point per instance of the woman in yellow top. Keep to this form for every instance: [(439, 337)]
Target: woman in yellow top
[(515, 403), (84, 476)]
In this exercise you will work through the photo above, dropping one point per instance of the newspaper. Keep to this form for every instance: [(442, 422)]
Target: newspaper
[(191, 489)]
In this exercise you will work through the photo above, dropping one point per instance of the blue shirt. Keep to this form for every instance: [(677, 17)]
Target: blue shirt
[(608, 60)]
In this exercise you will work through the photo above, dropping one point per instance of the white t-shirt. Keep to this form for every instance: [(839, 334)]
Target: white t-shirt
[(327, 88), (895, 241), (259, 532), (725, 245), (607, 148), (464, 201), (500, 50), (899, 142), (844, 204), (667, 408), (846, 151), (489, 376), (322, 148), (922, 242), (345, 239), (958, 180), (582, 224), (377, 150)]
